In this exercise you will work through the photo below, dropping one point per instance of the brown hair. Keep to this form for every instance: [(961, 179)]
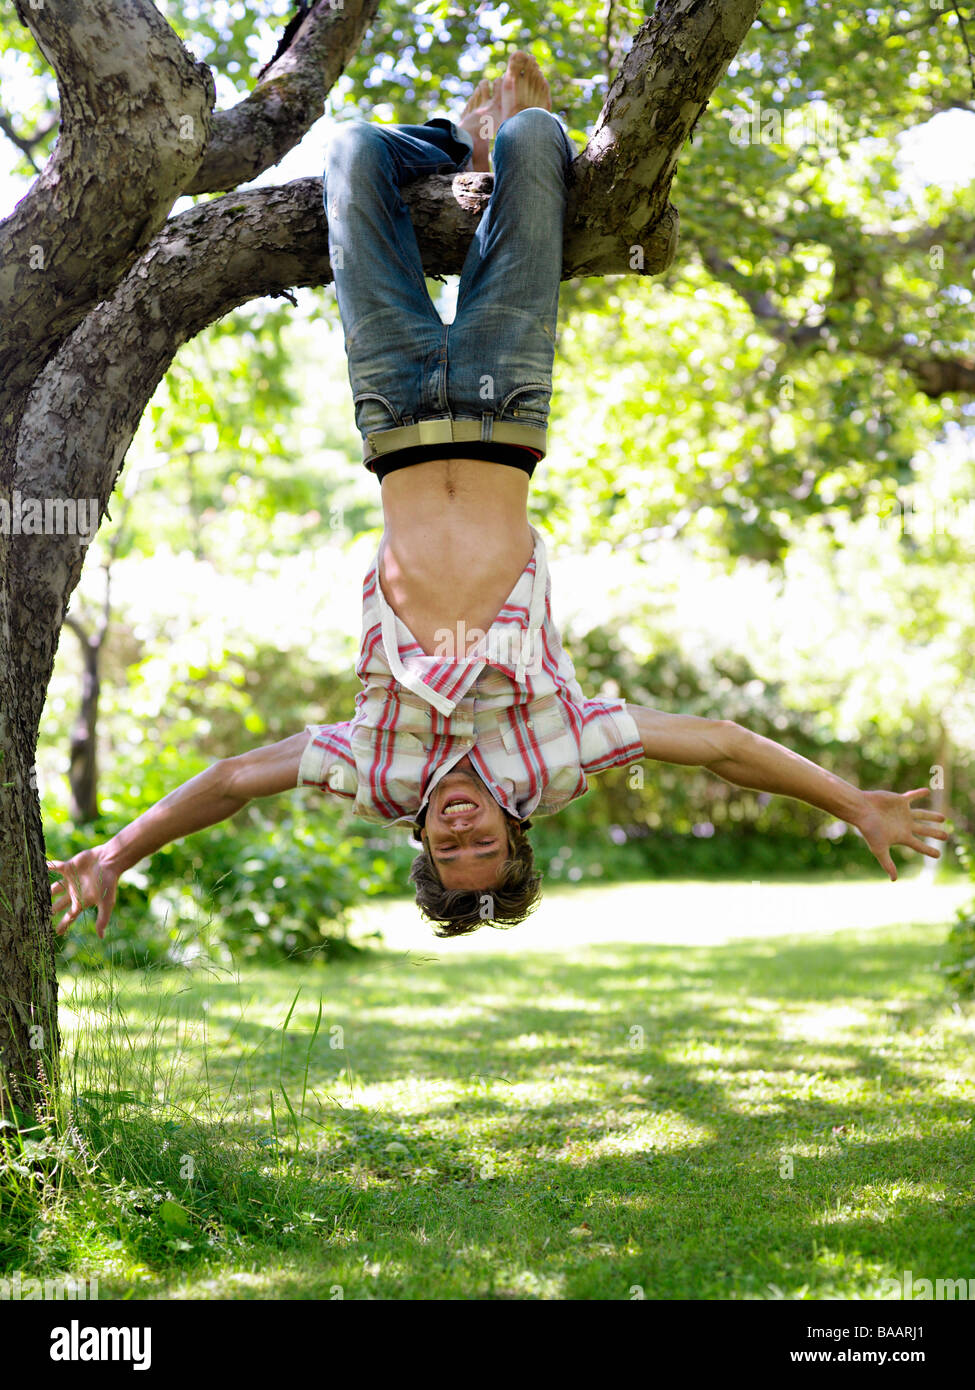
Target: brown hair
[(460, 911)]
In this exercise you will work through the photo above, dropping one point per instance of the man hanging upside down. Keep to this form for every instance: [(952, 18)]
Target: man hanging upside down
[(470, 719)]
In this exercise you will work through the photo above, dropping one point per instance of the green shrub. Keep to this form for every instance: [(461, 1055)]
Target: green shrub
[(254, 888)]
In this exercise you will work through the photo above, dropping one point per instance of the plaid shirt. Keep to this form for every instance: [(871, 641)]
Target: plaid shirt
[(514, 705)]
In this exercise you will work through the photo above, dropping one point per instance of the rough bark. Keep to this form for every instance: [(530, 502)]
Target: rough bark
[(83, 765), (260, 130), (659, 93), (135, 121)]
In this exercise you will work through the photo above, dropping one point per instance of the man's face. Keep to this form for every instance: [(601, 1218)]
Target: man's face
[(465, 833)]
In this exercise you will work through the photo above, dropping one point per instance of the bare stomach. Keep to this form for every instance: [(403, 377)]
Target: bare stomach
[(456, 539)]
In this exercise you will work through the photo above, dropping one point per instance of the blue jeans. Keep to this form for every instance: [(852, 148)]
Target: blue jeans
[(495, 360)]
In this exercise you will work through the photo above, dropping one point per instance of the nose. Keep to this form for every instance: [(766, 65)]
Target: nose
[(460, 825)]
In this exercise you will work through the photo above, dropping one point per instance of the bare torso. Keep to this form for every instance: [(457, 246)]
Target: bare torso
[(456, 540)]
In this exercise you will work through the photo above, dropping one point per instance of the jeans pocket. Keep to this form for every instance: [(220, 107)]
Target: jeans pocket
[(528, 404), (374, 412)]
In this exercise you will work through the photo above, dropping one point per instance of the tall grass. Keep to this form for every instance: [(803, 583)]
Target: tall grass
[(139, 1159)]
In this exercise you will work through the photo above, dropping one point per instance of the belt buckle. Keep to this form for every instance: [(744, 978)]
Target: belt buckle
[(438, 431)]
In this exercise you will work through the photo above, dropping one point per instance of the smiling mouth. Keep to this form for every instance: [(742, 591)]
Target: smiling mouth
[(457, 805)]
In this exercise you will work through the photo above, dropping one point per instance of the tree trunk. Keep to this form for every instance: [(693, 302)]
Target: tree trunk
[(83, 766), (29, 1040)]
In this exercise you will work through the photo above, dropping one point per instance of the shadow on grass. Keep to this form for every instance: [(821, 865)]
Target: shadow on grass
[(576, 1127)]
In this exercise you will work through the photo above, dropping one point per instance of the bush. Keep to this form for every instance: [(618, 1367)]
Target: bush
[(254, 888), (615, 853)]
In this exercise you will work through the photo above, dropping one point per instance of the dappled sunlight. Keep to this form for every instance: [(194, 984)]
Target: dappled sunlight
[(537, 1125), (879, 1203), (662, 1131), (820, 1023)]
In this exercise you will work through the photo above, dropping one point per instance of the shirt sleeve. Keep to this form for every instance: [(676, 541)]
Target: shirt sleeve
[(610, 737), (327, 762)]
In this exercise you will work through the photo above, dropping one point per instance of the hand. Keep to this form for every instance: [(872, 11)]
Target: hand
[(890, 819), (87, 881)]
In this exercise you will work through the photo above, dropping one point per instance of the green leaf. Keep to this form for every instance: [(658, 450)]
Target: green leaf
[(172, 1214)]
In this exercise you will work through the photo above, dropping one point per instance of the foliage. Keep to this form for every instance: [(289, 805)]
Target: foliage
[(254, 888), (798, 210), (959, 968)]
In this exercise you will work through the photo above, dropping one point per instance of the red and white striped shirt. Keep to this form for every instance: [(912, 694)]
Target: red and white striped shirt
[(513, 704)]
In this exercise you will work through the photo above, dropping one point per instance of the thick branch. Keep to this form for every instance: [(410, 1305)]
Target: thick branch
[(135, 117), (260, 130), (940, 376), (663, 85)]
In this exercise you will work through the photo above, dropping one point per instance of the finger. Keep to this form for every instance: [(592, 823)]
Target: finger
[(925, 814), (65, 922), (922, 848), (887, 864), (918, 791), (104, 913), (914, 842)]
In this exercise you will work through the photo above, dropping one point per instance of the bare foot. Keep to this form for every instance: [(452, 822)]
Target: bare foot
[(491, 103), (476, 121)]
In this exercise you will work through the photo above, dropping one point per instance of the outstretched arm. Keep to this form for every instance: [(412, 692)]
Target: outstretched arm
[(751, 760), (91, 878)]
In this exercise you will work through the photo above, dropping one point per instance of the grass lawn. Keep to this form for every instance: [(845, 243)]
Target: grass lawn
[(616, 1102)]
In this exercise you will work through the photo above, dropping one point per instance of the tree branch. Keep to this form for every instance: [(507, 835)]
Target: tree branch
[(260, 130), (662, 87), (26, 143), (135, 117), (792, 335), (933, 374)]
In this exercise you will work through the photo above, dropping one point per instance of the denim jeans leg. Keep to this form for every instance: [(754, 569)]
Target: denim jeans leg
[(394, 338), (502, 340)]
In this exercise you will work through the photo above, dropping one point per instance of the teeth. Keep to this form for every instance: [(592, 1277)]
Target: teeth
[(456, 806)]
